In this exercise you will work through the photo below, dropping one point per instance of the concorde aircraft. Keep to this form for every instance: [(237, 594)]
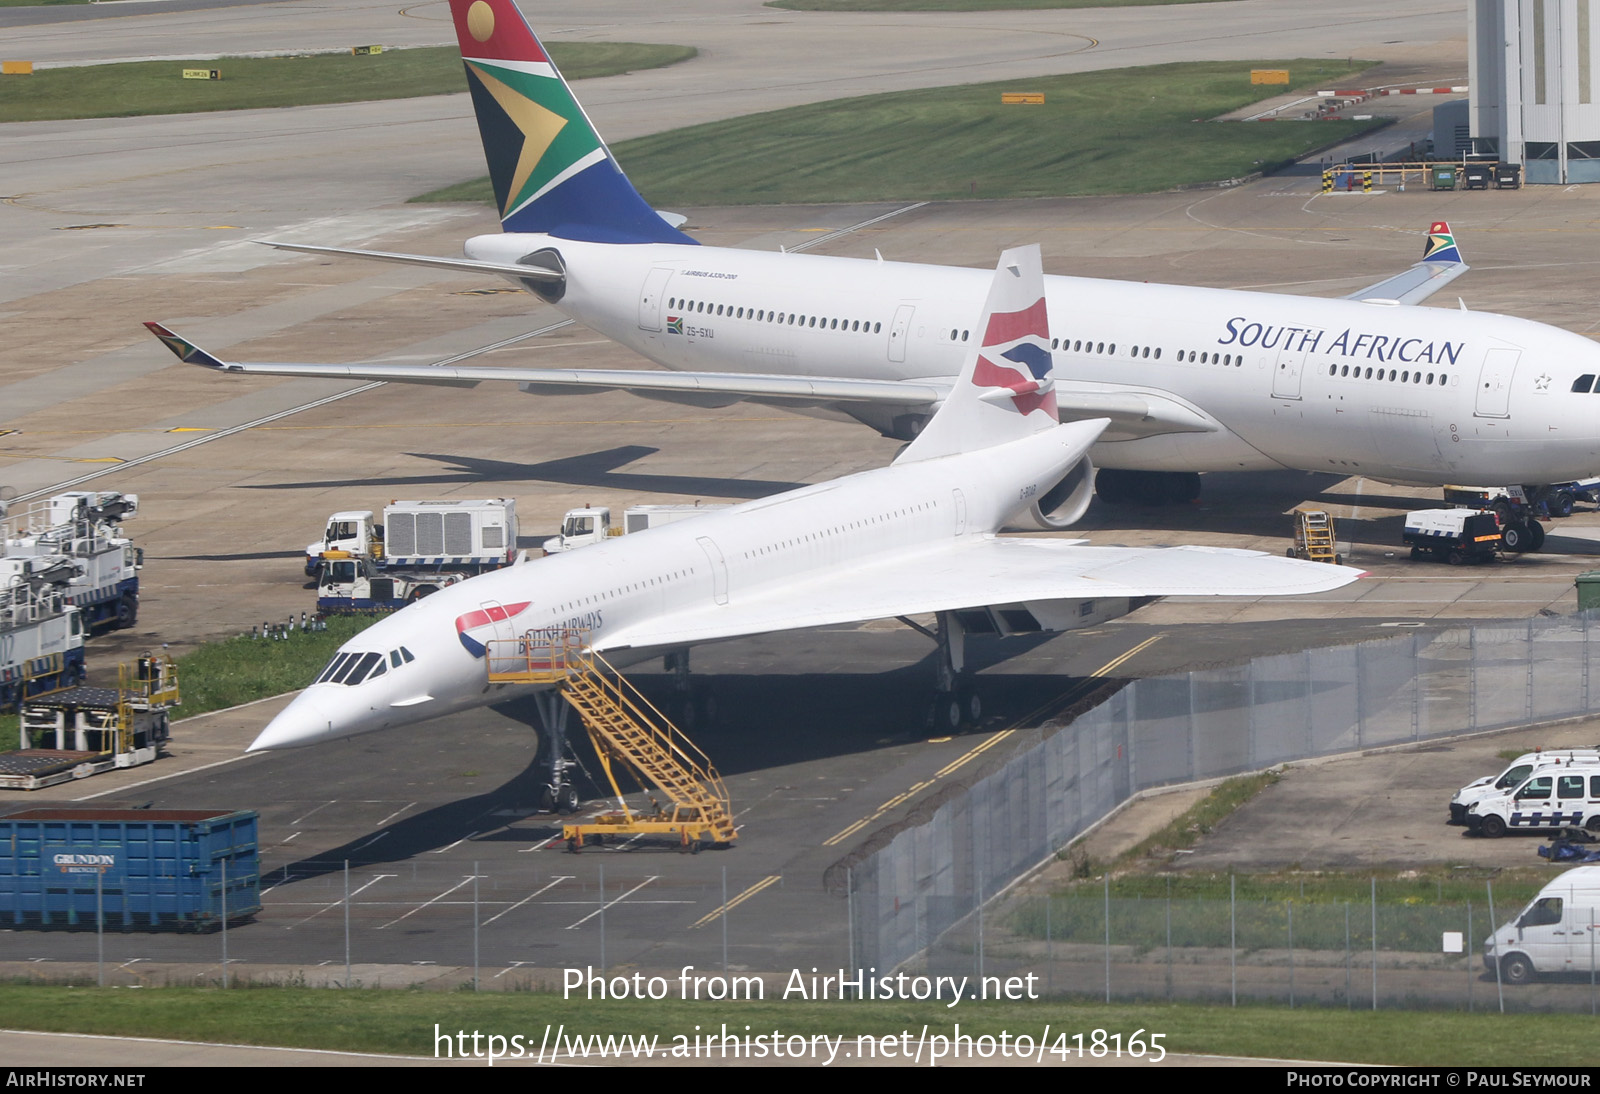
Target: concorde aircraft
[(1191, 379), (913, 538)]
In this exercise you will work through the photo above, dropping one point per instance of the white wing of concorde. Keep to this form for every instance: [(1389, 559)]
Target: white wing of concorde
[(1134, 414), (985, 572), (1441, 264)]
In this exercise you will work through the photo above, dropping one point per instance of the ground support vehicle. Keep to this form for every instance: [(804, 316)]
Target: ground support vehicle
[(1455, 536), (1313, 537), (348, 586), (630, 736), (592, 524), (41, 642), (86, 527), (1517, 509), (1555, 933), (81, 731), (1551, 797), (1515, 774), (1563, 496), (469, 537), (128, 869)]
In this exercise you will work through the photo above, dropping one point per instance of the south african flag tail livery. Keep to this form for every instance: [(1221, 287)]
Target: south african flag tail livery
[(551, 172)]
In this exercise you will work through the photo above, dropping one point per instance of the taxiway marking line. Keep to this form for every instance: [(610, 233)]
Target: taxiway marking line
[(341, 900), (609, 903), (764, 883), (973, 753), (530, 896), (435, 900)]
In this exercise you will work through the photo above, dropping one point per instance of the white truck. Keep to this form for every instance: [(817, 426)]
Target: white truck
[(85, 526), (592, 524), (1514, 775), (1455, 536), (1555, 933), (41, 635), (468, 537), (350, 585), (1563, 795)]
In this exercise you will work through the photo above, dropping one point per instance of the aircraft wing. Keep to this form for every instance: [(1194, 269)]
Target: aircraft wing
[(1441, 264), (982, 572), (459, 265), (703, 388), (1133, 413)]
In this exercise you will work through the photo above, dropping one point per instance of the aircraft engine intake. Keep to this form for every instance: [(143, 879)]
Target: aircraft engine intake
[(1063, 505)]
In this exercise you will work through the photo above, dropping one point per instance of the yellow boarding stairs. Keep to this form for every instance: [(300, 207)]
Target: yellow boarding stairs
[(1313, 537), (627, 731)]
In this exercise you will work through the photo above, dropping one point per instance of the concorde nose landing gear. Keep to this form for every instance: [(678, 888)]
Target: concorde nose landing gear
[(557, 791), (1117, 487)]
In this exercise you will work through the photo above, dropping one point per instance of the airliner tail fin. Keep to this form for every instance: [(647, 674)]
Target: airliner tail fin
[(550, 170)]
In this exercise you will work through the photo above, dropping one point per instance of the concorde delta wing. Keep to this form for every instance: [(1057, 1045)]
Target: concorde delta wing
[(976, 572)]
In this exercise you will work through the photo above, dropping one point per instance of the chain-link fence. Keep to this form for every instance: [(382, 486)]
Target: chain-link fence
[(921, 896)]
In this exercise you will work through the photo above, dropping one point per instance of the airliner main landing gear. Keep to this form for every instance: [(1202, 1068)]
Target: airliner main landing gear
[(693, 707), (956, 705)]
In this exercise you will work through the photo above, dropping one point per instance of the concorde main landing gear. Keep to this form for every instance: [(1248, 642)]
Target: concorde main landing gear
[(956, 705), (693, 705), (1118, 487)]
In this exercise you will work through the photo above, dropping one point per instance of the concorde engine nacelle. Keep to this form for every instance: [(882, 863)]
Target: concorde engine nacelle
[(1063, 505)]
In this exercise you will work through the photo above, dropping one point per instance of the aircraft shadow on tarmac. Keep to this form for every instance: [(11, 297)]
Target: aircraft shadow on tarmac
[(594, 469), (764, 721)]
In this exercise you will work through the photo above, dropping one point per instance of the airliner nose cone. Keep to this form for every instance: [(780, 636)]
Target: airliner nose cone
[(302, 722)]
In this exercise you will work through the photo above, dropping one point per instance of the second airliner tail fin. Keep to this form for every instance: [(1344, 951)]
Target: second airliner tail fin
[(550, 170), (1006, 389)]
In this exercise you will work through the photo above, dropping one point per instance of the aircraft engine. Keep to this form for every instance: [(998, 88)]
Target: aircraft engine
[(1064, 503)]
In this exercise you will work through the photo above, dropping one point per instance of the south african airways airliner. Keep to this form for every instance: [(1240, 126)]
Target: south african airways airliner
[(1191, 379)]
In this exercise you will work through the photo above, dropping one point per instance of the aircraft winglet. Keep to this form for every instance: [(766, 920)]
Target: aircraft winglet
[(186, 351), (1441, 245)]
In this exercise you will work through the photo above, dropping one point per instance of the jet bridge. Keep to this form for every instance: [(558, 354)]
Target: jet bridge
[(631, 736)]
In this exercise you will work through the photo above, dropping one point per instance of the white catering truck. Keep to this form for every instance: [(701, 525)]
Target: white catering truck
[(592, 524), (85, 526)]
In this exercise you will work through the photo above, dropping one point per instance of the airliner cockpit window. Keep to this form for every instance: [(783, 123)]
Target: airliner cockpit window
[(1583, 383)]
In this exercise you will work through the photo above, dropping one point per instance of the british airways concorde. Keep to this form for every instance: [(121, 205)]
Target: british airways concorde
[(1191, 379), (915, 537)]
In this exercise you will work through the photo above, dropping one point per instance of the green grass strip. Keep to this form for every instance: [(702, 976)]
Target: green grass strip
[(248, 83), (405, 1021), (1132, 130), (224, 674)]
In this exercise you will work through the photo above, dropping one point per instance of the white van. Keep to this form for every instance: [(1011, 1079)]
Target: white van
[(1553, 796), (1557, 932), (1516, 773)]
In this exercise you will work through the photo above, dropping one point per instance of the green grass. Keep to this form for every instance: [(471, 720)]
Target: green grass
[(1129, 130), (158, 87), (404, 1022), (241, 670), (961, 5)]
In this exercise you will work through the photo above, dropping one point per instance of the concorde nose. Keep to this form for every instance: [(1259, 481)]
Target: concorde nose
[(303, 722)]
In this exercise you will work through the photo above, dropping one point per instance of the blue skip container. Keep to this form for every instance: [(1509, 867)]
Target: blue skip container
[(144, 869)]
